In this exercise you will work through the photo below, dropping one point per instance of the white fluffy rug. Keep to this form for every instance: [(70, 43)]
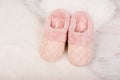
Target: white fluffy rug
[(100, 10), (21, 24)]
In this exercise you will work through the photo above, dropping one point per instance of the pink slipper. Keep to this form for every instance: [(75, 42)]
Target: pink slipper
[(55, 34), (80, 39)]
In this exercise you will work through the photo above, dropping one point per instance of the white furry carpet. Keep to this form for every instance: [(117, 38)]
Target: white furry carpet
[(21, 26)]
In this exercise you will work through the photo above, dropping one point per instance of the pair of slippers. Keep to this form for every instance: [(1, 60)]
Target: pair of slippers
[(76, 30)]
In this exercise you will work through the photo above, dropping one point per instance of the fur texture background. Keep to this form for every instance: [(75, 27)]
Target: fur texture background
[(96, 8), (21, 31)]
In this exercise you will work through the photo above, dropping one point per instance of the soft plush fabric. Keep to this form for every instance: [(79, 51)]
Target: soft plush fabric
[(55, 35), (21, 26), (80, 43)]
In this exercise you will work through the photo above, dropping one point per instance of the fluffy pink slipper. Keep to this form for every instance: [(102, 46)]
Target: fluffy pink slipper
[(80, 39), (55, 33)]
